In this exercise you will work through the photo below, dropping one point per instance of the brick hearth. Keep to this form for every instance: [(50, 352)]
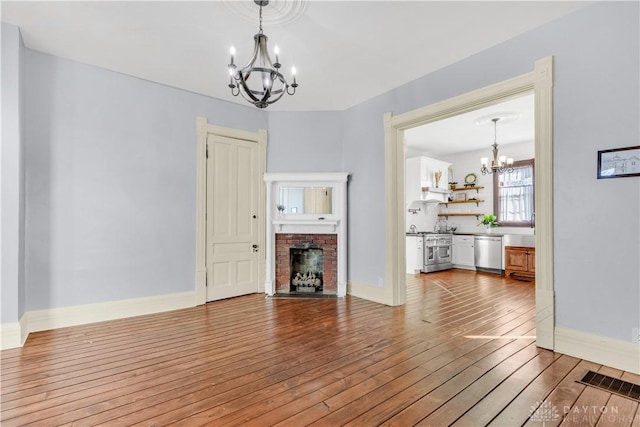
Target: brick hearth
[(329, 245)]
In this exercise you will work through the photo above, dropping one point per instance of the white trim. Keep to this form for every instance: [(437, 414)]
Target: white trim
[(202, 130), (394, 196), (545, 308), (10, 335), (201, 210), (612, 352), (310, 226), (15, 334), (370, 293), (53, 318), (307, 177), (539, 81), (262, 204)]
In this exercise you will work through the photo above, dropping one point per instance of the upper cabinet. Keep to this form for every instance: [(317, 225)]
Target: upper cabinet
[(426, 180)]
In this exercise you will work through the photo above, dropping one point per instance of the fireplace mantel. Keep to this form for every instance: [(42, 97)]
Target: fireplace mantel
[(305, 226), (334, 222)]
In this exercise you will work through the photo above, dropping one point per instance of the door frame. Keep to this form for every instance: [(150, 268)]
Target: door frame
[(203, 129), (540, 83)]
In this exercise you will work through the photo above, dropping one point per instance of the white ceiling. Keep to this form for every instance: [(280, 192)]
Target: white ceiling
[(474, 130), (345, 51)]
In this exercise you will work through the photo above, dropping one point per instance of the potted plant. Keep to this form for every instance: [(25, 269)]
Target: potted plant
[(281, 209), (452, 185), (489, 221)]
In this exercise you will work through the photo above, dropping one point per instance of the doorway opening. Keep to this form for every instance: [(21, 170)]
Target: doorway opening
[(540, 83)]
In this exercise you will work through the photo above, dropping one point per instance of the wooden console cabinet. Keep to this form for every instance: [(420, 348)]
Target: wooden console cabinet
[(520, 261)]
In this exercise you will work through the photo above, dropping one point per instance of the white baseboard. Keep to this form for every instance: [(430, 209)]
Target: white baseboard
[(606, 351), (545, 327), (15, 334), (370, 293)]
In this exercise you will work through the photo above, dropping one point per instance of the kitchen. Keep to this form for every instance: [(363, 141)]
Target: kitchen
[(448, 197)]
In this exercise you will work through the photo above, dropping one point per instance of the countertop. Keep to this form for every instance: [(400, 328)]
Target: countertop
[(493, 234), (522, 240)]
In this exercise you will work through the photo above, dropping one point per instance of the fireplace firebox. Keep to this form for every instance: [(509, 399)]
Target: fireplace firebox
[(306, 263), (306, 268)]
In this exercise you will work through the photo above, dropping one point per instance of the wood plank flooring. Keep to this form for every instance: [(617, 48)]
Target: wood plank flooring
[(461, 352)]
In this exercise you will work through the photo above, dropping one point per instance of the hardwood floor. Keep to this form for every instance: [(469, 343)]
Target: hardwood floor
[(461, 352)]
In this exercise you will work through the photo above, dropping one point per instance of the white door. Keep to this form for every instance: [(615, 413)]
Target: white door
[(232, 253)]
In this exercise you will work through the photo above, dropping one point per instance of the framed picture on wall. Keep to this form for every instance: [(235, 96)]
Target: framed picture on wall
[(619, 162)]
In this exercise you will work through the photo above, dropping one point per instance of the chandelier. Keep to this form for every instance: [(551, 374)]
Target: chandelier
[(499, 164), (260, 81)]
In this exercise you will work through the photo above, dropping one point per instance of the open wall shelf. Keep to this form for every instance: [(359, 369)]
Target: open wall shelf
[(447, 215), (477, 188), (454, 202)]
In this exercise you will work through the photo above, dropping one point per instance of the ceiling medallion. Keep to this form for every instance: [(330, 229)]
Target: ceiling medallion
[(504, 117), (279, 12)]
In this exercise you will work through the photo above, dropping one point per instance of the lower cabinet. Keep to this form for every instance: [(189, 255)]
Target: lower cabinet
[(463, 252), (415, 261), (520, 261)]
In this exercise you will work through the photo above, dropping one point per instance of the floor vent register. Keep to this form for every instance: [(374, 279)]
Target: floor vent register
[(612, 385)]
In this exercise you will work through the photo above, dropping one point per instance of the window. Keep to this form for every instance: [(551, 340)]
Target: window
[(513, 195)]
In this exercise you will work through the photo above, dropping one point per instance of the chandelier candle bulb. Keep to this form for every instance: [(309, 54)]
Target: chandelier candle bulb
[(499, 164), (273, 84), (232, 51)]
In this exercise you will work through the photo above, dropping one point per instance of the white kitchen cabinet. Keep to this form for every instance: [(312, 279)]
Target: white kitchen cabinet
[(414, 253), (463, 252)]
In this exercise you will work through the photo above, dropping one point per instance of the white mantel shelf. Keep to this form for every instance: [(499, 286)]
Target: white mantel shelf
[(333, 223), (306, 225)]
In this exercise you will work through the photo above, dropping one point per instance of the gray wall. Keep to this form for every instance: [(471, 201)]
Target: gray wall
[(111, 179), (305, 142), (111, 169), (12, 201), (596, 106)]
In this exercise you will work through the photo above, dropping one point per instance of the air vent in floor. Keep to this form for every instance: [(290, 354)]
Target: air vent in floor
[(612, 385)]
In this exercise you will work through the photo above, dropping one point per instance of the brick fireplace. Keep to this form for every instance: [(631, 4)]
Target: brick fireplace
[(312, 237), (292, 245)]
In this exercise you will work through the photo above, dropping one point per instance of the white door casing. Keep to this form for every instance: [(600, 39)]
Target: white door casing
[(230, 212), (540, 82)]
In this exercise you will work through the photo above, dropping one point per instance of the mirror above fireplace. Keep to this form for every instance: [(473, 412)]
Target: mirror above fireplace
[(305, 200)]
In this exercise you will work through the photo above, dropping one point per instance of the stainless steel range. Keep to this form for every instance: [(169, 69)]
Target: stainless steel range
[(437, 252)]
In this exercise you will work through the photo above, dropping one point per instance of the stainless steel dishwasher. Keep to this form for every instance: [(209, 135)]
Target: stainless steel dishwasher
[(488, 253)]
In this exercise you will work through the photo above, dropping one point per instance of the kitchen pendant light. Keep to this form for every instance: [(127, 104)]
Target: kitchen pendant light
[(260, 81), (499, 164)]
